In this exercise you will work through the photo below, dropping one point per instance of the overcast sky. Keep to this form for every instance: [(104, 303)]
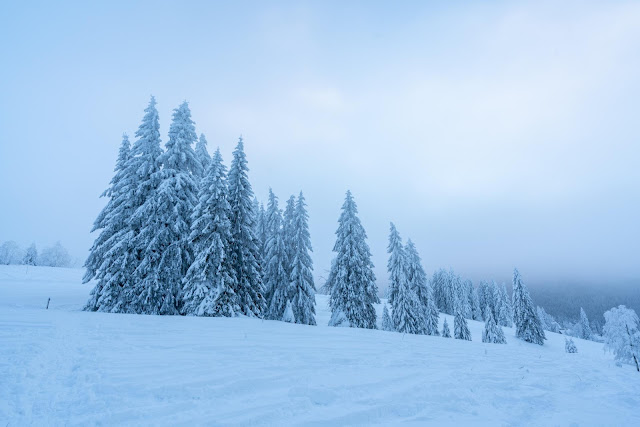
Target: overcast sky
[(494, 134)]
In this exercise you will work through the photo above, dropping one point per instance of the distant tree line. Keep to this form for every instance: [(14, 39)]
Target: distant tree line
[(564, 301), (52, 256)]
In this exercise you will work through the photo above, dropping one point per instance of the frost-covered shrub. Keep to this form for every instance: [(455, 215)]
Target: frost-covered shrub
[(570, 346), (621, 335), (10, 253), (446, 333)]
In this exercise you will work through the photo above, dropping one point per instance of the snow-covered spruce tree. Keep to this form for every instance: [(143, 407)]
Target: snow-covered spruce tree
[(495, 299), (278, 287), (143, 163), (31, 256), (244, 251), (166, 221), (288, 218), (492, 332), (460, 326), (407, 313), (485, 297), (396, 265), (301, 279), (261, 228), (209, 284), (583, 329), (570, 346), (273, 270), (446, 332), (460, 297), (260, 233), (467, 294), (419, 282), (505, 314), (351, 279), (202, 154), (110, 260), (528, 326), (415, 274), (438, 282), (476, 312), (387, 323), (622, 335)]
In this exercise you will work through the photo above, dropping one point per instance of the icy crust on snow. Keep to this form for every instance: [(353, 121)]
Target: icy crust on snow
[(63, 366)]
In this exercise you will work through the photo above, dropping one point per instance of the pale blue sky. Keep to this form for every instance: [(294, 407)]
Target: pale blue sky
[(494, 134)]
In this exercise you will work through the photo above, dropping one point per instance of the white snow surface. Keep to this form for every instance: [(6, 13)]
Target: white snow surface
[(63, 366)]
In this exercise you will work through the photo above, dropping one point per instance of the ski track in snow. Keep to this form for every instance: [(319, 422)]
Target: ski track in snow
[(63, 366)]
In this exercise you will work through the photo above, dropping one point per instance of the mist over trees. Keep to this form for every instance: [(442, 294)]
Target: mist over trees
[(564, 299)]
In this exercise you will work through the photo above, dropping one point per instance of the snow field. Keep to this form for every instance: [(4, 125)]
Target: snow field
[(63, 366)]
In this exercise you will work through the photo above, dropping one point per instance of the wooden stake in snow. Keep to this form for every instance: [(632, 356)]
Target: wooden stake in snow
[(48, 300)]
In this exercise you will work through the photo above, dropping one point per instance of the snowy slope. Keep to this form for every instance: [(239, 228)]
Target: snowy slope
[(65, 366)]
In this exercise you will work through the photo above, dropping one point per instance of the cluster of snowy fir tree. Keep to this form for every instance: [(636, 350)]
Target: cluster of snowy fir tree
[(410, 296), (476, 303), (52, 256), (180, 235)]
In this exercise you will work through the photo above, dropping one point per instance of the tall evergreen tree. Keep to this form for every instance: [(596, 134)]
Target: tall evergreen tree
[(584, 330), (210, 281), (396, 264), (351, 280), (202, 154), (407, 313), (485, 298), (416, 275), (461, 299), (466, 295), (528, 326), (109, 262), (303, 301), (166, 219), (418, 280), (278, 289), (288, 219), (273, 238), (261, 229), (476, 312), (144, 164), (244, 251), (505, 314)]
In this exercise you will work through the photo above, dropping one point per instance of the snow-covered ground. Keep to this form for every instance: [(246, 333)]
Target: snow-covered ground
[(63, 366)]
